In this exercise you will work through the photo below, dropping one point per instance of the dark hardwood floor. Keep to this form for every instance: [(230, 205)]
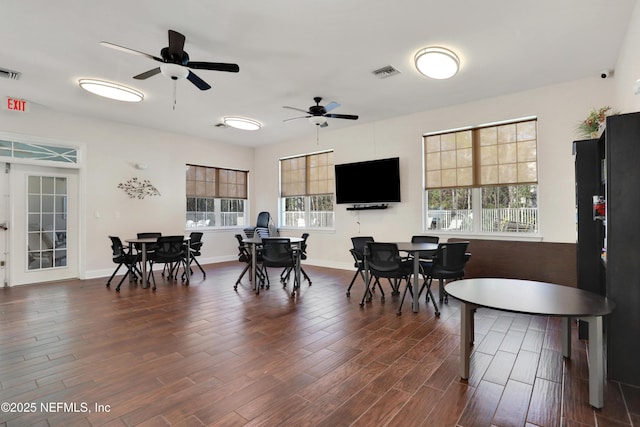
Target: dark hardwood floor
[(79, 354)]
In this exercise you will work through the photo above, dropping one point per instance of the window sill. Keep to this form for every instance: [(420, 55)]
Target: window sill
[(303, 229), (520, 237)]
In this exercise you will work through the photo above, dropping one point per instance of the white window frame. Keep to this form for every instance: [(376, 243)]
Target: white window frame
[(476, 208)]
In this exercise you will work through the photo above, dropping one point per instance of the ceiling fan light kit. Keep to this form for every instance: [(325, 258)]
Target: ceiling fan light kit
[(437, 63), (242, 123), (111, 90), (318, 120), (174, 71)]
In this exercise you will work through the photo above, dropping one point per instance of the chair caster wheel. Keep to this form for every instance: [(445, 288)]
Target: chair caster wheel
[(398, 313), (348, 293), (438, 314), (381, 298)]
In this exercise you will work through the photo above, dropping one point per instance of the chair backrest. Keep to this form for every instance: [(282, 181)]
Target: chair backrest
[(425, 239), (303, 244), (263, 219), (450, 259), (169, 249), (383, 256), (195, 241), (277, 252), (359, 243), (243, 252), (150, 235), (116, 248)]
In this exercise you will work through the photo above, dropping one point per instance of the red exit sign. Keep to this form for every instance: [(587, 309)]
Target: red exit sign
[(14, 104)]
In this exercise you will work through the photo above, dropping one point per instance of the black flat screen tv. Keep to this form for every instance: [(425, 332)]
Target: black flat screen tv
[(374, 181)]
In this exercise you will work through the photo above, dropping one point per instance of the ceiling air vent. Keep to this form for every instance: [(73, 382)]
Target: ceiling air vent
[(386, 71), (13, 75)]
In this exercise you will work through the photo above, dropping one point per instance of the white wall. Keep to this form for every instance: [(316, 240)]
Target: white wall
[(559, 109), (628, 67), (110, 152), (113, 149)]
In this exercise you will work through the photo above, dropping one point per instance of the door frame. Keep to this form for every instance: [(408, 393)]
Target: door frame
[(78, 228)]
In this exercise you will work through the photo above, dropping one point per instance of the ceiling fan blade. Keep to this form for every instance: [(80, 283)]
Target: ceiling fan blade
[(331, 106), (176, 44), (147, 74), (214, 66), (201, 84), (342, 116), (127, 50), (294, 118), (298, 109)]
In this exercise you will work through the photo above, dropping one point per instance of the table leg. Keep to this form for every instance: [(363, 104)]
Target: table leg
[(566, 337), (254, 260), (596, 361), (466, 337), (416, 281), (367, 279), (297, 255), (145, 282), (187, 256)]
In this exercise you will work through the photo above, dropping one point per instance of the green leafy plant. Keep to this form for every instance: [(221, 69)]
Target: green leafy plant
[(588, 128)]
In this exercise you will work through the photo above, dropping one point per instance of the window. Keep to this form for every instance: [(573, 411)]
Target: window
[(216, 197), (483, 179), (47, 219), (306, 191)]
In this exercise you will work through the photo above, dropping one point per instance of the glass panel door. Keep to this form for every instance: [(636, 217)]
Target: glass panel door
[(47, 222)]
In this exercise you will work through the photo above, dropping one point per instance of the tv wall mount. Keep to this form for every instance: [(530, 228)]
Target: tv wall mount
[(367, 207)]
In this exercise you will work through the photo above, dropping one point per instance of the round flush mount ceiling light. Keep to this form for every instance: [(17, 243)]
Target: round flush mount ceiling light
[(242, 123), (111, 90), (437, 62)]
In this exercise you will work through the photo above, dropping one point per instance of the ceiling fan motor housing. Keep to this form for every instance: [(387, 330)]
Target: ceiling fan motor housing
[(174, 59)]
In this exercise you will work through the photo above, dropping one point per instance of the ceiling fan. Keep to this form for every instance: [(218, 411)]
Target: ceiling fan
[(175, 62), (317, 114)]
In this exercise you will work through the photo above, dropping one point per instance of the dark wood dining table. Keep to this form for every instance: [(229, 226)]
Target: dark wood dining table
[(540, 299)]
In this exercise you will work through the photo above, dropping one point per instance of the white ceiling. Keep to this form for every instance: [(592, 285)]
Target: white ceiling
[(292, 50)]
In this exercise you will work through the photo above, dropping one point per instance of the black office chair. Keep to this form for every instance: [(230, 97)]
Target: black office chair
[(357, 252), (122, 257), (244, 256), (426, 257), (195, 244), (150, 247), (277, 252), (384, 261), (284, 276), (170, 251), (448, 263)]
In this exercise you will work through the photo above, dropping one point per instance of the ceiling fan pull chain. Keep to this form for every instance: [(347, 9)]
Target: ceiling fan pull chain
[(175, 86)]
